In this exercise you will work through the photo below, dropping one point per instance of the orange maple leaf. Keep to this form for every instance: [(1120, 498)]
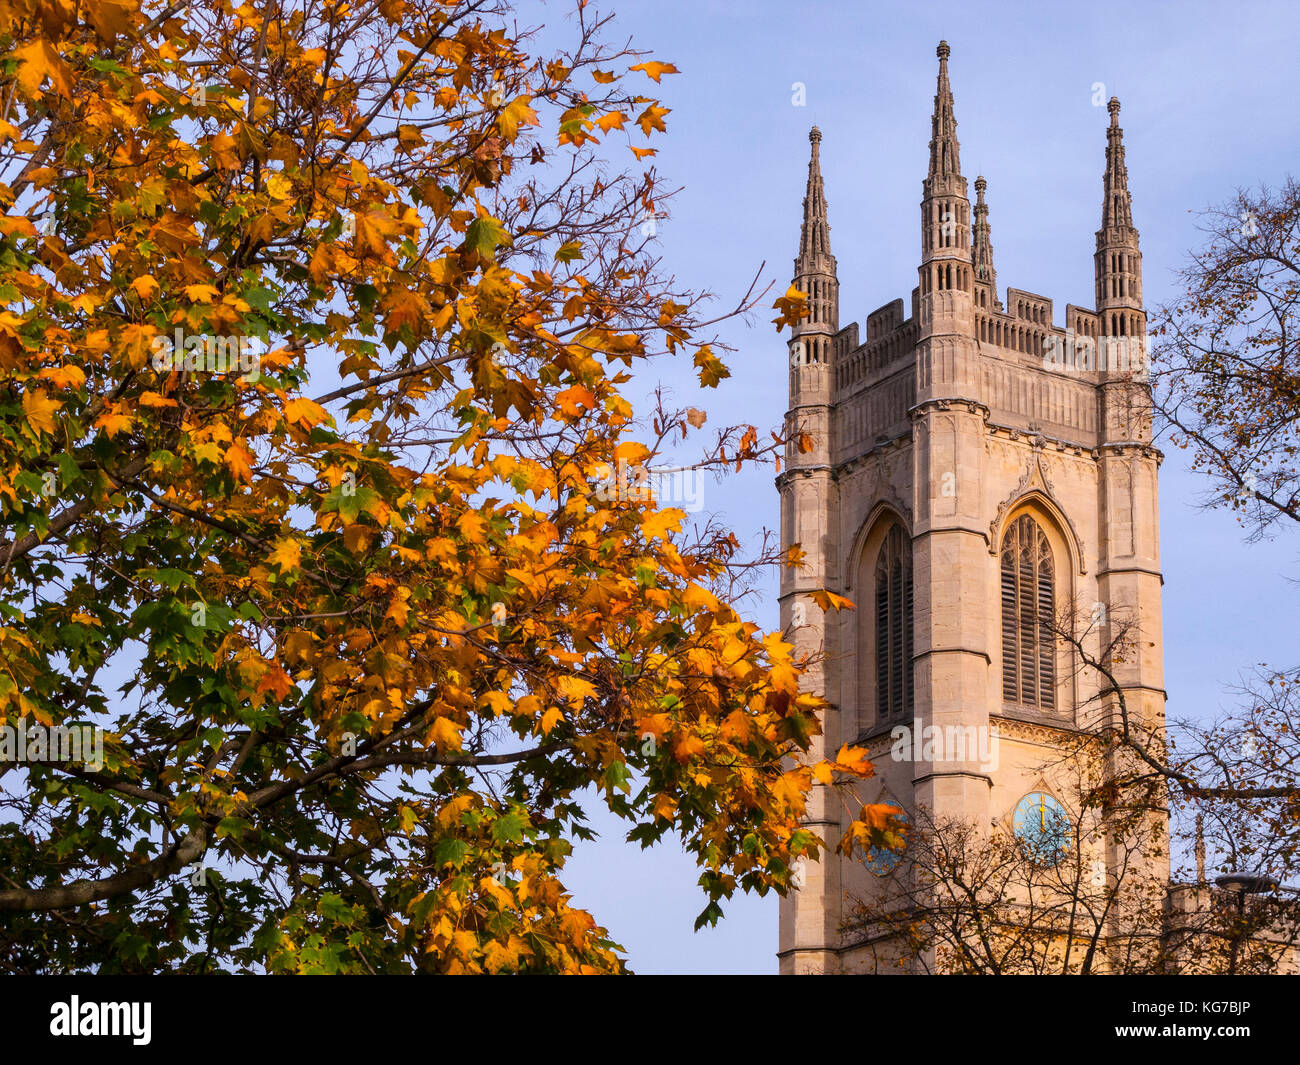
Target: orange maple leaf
[(655, 70)]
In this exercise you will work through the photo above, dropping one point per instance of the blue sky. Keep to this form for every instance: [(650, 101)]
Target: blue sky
[(1208, 97)]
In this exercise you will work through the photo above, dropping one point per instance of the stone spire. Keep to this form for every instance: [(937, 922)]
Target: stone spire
[(1118, 260), (945, 160), (945, 210), (982, 252), (815, 236), (814, 267), (1117, 208)]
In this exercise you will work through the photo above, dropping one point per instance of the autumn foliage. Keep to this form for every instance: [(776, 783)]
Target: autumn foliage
[(360, 635)]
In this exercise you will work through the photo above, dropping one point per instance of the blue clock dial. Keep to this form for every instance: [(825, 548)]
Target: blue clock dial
[(1042, 826)]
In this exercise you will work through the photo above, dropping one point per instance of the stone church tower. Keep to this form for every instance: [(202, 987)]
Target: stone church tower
[(975, 467)]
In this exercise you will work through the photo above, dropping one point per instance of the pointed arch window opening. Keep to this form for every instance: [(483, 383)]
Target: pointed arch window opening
[(1028, 613), (895, 697)]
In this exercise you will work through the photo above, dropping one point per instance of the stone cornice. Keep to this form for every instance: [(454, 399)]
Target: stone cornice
[(786, 475), (1015, 728), (953, 773), (1040, 441), (971, 406), (1147, 451)]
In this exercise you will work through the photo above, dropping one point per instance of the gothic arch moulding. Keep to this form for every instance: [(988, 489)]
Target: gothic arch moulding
[(871, 531), (860, 629), (1035, 489)]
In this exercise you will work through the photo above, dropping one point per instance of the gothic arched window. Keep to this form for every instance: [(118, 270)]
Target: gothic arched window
[(894, 627), (1028, 610)]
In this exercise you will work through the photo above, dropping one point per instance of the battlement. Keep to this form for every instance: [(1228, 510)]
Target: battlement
[(1025, 325), (890, 337), (885, 320)]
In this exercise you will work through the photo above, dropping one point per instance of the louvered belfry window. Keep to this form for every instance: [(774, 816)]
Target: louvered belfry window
[(894, 627), (1028, 610)]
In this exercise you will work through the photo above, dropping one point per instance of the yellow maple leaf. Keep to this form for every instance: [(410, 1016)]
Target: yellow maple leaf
[(10, 224), (64, 376), (357, 538), (136, 343), (322, 262), (497, 958), (653, 118), (793, 307), (38, 61), (737, 728), (225, 151), (200, 293), (279, 186), (287, 554), (40, 409), (305, 412), (664, 806), (497, 702), (852, 759), (784, 678), (113, 422), (515, 114), (145, 286), (572, 401), (445, 734), (113, 18), (276, 681), (399, 609), (695, 597), (790, 788), (237, 462), (659, 522), (402, 307), (575, 690), (826, 600), (687, 747)]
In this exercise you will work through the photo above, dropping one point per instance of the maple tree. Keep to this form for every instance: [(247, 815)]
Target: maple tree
[(316, 319)]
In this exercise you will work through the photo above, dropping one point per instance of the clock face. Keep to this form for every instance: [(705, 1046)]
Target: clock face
[(1042, 826), (881, 860)]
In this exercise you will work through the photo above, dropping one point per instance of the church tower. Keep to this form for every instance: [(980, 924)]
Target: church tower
[(809, 516), (976, 469)]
